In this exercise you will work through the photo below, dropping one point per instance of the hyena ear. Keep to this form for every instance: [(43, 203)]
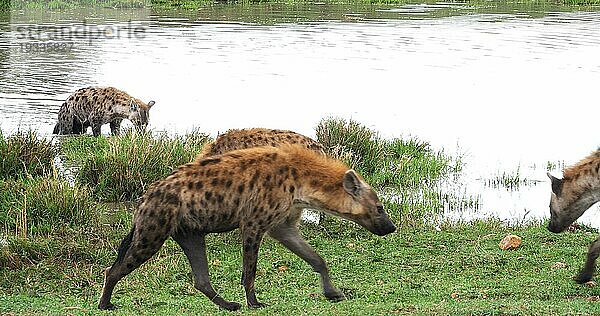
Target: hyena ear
[(352, 183), (133, 106), (557, 184), (150, 104)]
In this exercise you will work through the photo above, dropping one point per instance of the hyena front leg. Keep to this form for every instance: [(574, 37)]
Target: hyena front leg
[(288, 235), (115, 125), (251, 242), (587, 272), (136, 248), (194, 247), (96, 123)]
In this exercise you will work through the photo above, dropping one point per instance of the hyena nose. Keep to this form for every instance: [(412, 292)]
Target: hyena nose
[(553, 228), (390, 228), (385, 228)]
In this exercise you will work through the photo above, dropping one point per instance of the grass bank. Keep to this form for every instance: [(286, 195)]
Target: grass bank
[(58, 237), (456, 271), (162, 5)]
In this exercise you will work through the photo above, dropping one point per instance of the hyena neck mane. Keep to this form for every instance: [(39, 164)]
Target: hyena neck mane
[(318, 177), (584, 176)]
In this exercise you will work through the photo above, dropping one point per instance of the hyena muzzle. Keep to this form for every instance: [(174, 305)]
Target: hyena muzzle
[(260, 191)]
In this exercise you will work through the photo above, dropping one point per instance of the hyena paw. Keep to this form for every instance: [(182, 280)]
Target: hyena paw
[(230, 306), (335, 296), (583, 277), (257, 305), (106, 307)]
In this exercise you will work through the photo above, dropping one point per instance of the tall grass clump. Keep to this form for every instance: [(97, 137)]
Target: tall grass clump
[(352, 142), (121, 168), (25, 154), (43, 204), (45, 219), (385, 163)]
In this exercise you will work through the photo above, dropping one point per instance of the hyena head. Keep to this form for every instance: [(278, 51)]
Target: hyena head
[(355, 200), (568, 201), (139, 114)]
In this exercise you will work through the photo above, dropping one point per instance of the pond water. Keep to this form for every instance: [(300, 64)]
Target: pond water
[(510, 90)]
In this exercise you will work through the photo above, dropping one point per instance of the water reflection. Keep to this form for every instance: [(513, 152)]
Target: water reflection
[(511, 87)]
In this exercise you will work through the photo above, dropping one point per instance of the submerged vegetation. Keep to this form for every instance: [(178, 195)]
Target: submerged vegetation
[(508, 180), (58, 236)]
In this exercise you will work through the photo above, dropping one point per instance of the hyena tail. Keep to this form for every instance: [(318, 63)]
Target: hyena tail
[(125, 245), (56, 129)]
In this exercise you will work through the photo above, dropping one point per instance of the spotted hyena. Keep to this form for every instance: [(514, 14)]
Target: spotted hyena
[(254, 137), (259, 190), (571, 196), (96, 106)]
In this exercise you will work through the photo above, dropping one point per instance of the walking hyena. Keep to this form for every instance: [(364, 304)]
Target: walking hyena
[(259, 190), (96, 106), (254, 137), (571, 197)]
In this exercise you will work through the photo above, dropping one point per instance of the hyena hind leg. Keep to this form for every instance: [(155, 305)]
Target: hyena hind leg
[(587, 272), (194, 247), (132, 253), (289, 236)]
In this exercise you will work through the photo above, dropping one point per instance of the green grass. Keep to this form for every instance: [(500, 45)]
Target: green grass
[(121, 168), (43, 204), (25, 154), (414, 271)]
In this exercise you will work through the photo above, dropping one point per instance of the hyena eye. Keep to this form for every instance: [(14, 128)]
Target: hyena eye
[(380, 208)]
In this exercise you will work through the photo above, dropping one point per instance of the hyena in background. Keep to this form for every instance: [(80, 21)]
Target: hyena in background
[(96, 106), (254, 137), (571, 197), (259, 190), (235, 139)]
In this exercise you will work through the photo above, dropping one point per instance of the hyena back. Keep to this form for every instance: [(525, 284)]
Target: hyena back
[(571, 197), (254, 137), (96, 106), (259, 190)]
